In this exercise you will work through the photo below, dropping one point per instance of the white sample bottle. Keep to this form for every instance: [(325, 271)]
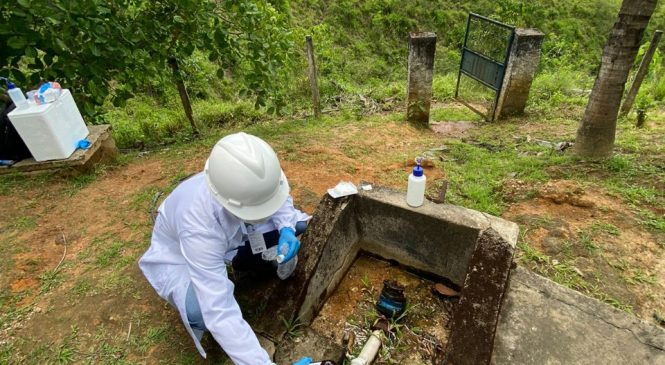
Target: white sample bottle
[(415, 191), (284, 269), (16, 95)]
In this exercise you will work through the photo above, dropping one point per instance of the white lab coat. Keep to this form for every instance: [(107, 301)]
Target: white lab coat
[(193, 239)]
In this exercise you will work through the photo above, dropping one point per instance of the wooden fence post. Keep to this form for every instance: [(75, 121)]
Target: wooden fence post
[(184, 97), (641, 72), (313, 83)]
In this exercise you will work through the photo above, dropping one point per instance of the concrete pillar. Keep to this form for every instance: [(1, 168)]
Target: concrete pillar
[(420, 69), (522, 66)]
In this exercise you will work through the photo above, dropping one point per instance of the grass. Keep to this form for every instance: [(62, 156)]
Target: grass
[(293, 327), (641, 277), (454, 115), (587, 242), (50, 280), (604, 227), (65, 355), (10, 183), (156, 335), (110, 254), (652, 221), (82, 287), (365, 281), (147, 122), (23, 223), (477, 171), (6, 351), (120, 282), (565, 273)]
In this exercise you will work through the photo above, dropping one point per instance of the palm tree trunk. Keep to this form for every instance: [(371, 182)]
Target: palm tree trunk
[(595, 136)]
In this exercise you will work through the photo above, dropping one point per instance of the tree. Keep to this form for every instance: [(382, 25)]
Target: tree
[(111, 49), (595, 136)]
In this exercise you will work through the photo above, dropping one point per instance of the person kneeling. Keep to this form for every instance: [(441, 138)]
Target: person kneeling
[(235, 209)]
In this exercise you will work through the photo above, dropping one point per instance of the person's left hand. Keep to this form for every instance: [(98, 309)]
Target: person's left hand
[(303, 361), (288, 243)]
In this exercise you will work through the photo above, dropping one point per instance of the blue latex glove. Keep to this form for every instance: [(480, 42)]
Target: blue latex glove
[(288, 243), (303, 361)]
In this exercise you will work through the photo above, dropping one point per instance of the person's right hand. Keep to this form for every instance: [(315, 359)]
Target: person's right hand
[(303, 361)]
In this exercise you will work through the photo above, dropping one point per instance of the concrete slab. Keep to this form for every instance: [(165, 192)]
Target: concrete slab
[(542, 322), (102, 146), (448, 241), (435, 238), (326, 242)]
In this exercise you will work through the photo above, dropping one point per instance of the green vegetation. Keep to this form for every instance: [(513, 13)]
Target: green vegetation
[(565, 273), (108, 51), (293, 327), (607, 228), (262, 88), (23, 223), (639, 276), (476, 171), (241, 55)]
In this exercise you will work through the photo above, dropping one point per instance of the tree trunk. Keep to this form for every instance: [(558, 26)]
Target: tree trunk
[(595, 136)]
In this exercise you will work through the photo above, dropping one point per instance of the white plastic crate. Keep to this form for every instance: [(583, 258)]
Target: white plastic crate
[(51, 131)]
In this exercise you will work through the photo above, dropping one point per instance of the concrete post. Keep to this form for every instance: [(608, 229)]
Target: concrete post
[(522, 66), (420, 68)]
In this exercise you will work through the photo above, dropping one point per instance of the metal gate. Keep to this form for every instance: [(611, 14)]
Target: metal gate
[(485, 55)]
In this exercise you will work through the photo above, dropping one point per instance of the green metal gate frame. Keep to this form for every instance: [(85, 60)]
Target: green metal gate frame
[(483, 68)]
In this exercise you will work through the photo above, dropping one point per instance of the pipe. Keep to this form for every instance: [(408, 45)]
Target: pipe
[(369, 351)]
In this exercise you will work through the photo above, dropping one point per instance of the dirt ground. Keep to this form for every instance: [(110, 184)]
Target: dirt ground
[(71, 292), (90, 303), (598, 237)]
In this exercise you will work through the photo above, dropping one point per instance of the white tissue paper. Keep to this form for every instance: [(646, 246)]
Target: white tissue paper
[(344, 188)]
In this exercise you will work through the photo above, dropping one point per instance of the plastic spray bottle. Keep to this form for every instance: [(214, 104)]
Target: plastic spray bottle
[(415, 191), (16, 95)]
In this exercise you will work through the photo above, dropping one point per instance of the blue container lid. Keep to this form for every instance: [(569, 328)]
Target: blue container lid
[(418, 170), (10, 85)]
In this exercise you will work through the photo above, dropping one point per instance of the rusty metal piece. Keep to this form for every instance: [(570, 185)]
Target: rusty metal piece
[(441, 198), (348, 340), (382, 323)]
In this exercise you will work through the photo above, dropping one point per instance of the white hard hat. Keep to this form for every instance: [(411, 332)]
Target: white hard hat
[(244, 176)]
